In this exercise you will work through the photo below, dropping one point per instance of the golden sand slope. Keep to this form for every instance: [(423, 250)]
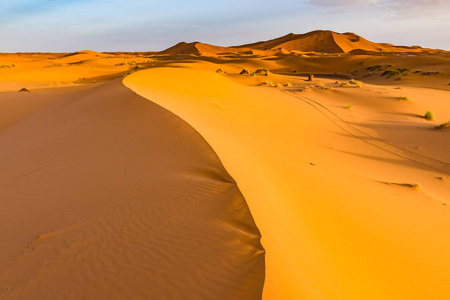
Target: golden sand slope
[(349, 206), (38, 70), (105, 195)]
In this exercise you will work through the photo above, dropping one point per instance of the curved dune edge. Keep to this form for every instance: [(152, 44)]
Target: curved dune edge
[(106, 195), (330, 231)]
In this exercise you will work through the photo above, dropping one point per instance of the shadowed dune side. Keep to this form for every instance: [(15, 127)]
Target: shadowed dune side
[(105, 195)]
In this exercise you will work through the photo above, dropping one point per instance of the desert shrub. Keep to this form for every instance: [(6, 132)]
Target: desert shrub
[(349, 106), (403, 98), (264, 72), (124, 74), (443, 125), (403, 70), (375, 68), (390, 73), (354, 82), (244, 72), (427, 73), (429, 116)]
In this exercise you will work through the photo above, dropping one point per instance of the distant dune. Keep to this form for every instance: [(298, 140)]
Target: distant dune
[(326, 41), (195, 48), (320, 41)]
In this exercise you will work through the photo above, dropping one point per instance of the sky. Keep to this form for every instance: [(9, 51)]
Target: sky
[(154, 25)]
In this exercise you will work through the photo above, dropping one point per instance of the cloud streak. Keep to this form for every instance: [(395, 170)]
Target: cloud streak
[(394, 8)]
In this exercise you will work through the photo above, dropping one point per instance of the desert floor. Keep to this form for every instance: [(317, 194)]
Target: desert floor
[(173, 176)]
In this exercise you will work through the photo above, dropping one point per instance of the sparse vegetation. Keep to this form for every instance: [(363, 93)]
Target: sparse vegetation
[(403, 70), (399, 71), (244, 72), (403, 98), (24, 90), (124, 74), (429, 116), (267, 83), (427, 73), (354, 82), (349, 106), (264, 72), (443, 125), (390, 73), (375, 68)]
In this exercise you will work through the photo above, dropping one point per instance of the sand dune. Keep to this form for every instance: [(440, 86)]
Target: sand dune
[(315, 41), (105, 195), (197, 49), (335, 229), (326, 41)]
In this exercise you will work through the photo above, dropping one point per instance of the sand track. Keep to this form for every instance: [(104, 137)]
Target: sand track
[(415, 157)]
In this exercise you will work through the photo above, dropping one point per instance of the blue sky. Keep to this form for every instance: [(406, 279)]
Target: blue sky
[(139, 25)]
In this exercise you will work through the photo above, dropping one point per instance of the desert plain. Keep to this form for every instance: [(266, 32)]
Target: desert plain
[(310, 166)]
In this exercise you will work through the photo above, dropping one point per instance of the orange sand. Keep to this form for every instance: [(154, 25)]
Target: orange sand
[(321, 181), (107, 195)]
